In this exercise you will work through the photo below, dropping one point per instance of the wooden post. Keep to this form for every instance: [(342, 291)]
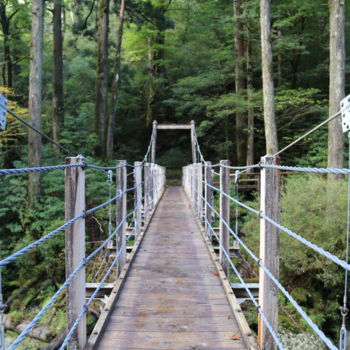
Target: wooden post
[(75, 249), (208, 197), (225, 214), (146, 190), (269, 253), (193, 142), (200, 191), (194, 185), (151, 186), (138, 196), (154, 142), (121, 213)]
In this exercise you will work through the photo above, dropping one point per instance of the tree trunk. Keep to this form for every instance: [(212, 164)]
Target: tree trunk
[(35, 86), (101, 111), (5, 26), (336, 82), (58, 99), (8, 60), (151, 85), (250, 140), (239, 80), (279, 61), (116, 83), (268, 88)]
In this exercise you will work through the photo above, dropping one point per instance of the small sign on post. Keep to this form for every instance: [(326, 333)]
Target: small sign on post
[(345, 113), (3, 110)]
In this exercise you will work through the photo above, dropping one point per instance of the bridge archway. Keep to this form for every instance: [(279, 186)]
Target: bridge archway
[(156, 127)]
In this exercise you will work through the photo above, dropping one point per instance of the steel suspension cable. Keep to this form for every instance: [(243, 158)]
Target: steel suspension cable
[(93, 296), (53, 299), (302, 240), (31, 246), (307, 133), (252, 298), (15, 115), (318, 331)]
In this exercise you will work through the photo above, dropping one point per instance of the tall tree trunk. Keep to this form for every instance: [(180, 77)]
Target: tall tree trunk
[(58, 99), (8, 59), (268, 87), (116, 83), (250, 140), (5, 26), (336, 82), (101, 111), (279, 60), (35, 86), (239, 81), (151, 85)]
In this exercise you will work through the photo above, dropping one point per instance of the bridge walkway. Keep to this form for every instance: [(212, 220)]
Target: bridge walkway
[(173, 297)]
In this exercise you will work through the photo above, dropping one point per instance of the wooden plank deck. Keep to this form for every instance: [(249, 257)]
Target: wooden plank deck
[(173, 297)]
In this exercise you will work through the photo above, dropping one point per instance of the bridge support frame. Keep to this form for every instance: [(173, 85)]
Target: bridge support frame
[(225, 215), (75, 249), (191, 126), (269, 252)]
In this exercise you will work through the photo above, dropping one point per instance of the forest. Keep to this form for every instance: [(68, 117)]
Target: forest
[(94, 74)]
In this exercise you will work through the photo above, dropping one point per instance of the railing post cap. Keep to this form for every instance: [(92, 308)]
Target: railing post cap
[(78, 158), (270, 159)]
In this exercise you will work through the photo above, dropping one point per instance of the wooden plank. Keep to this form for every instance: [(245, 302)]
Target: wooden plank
[(174, 281), (174, 311), (173, 347), (170, 324), (174, 340)]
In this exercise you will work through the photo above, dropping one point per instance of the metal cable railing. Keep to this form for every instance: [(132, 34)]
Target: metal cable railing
[(199, 202), (153, 186)]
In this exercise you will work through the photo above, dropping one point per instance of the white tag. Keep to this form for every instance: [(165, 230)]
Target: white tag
[(345, 113)]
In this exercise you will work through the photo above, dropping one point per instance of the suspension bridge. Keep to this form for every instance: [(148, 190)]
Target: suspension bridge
[(166, 282)]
